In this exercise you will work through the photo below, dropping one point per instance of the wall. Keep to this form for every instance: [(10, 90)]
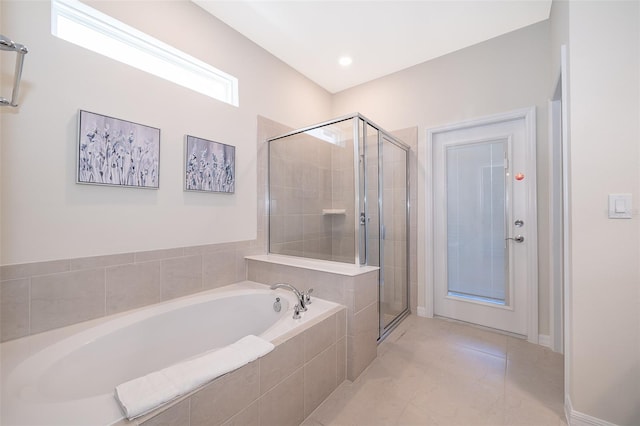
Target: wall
[(343, 248), (559, 36), (410, 137), (47, 216), (394, 186), (604, 102), (499, 75)]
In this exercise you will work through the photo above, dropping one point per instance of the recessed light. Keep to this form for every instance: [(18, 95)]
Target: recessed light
[(345, 61)]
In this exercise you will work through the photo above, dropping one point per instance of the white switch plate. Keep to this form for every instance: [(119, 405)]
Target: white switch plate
[(619, 206)]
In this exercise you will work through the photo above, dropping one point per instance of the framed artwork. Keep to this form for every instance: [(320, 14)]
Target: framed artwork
[(117, 152), (209, 166)]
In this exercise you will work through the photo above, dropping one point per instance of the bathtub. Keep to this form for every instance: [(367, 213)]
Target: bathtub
[(67, 376)]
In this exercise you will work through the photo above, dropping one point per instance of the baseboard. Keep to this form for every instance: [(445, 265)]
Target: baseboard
[(544, 340), (421, 311), (576, 418)]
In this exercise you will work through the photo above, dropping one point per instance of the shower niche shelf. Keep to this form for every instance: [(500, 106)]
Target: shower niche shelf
[(333, 211)]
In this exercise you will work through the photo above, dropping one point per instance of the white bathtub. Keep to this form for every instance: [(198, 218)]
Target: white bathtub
[(67, 376)]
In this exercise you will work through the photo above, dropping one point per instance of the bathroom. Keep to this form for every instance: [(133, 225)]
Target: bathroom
[(72, 253)]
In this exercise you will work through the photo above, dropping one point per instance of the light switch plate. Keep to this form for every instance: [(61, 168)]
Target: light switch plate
[(619, 206)]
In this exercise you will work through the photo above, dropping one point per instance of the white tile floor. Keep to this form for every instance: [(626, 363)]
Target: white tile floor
[(438, 372)]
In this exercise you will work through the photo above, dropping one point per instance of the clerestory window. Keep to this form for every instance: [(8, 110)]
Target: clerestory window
[(84, 26)]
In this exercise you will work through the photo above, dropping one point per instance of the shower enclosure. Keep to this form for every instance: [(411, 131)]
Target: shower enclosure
[(338, 191)]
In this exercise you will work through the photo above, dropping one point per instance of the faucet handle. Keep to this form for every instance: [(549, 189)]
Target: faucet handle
[(296, 312), (307, 296)]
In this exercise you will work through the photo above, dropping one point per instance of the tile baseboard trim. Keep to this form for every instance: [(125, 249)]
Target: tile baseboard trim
[(576, 418), (422, 312), (544, 340)]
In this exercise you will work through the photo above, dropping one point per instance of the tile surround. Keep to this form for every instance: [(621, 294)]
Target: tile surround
[(131, 286), (225, 396), (278, 389), (250, 416), (322, 372), (281, 362), (14, 311), (175, 416), (357, 292), (46, 295), (67, 298), (284, 404), (26, 270), (180, 276)]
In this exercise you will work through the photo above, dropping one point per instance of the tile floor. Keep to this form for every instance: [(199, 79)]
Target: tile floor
[(438, 372)]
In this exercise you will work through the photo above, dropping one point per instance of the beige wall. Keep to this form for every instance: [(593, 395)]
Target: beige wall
[(604, 103), (46, 215), (502, 74)]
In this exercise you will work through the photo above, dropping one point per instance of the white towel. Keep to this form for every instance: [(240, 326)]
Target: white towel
[(142, 395)]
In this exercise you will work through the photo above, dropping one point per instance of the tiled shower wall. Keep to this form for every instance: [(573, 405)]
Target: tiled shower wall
[(300, 188), (343, 197), (396, 228), (307, 176), (410, 137)]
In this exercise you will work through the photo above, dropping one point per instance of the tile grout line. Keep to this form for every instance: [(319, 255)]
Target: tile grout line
[(29, 312), (104, 286)]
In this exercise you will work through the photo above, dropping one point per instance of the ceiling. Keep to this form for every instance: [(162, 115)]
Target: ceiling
[(381, 37)]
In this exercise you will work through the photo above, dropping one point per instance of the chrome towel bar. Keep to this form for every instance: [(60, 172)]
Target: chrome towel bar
[(21, 50)]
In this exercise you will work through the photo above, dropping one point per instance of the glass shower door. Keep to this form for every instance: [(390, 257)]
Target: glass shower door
[(393, 233)]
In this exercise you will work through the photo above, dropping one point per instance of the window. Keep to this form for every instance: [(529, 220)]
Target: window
[(82, 25)]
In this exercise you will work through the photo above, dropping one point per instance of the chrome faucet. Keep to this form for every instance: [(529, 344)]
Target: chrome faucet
[(303, 298)]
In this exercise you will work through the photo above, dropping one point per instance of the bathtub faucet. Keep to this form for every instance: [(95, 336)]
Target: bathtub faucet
[(302, 297)]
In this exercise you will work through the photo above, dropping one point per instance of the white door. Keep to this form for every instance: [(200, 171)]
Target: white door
[(485, 223)]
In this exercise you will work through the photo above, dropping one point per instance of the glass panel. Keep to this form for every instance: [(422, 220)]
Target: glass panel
[(311, 194), (393, 294), (363, 237), (372, 198), (476, 221)]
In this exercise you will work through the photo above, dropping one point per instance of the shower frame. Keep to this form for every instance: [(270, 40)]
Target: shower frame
[(361, 186)]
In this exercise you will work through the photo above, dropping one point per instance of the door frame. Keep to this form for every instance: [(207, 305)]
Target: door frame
[(529, 117)]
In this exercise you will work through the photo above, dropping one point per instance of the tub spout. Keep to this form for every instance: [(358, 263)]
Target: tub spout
[(302, 302)]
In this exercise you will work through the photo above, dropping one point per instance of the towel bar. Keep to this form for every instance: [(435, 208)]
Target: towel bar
[(21, 50)]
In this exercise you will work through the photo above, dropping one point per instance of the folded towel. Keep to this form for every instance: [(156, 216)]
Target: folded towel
[(142, 395)]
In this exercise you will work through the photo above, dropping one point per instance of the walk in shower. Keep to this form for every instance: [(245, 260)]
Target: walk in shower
[(338, 191)]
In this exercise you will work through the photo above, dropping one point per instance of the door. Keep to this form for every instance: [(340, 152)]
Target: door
[(485, 224), (394, 230)]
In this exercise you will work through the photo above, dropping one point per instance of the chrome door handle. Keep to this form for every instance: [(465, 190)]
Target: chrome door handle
[(517, 239)]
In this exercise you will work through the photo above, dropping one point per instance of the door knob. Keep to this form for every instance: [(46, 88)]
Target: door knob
[(517, 239)]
